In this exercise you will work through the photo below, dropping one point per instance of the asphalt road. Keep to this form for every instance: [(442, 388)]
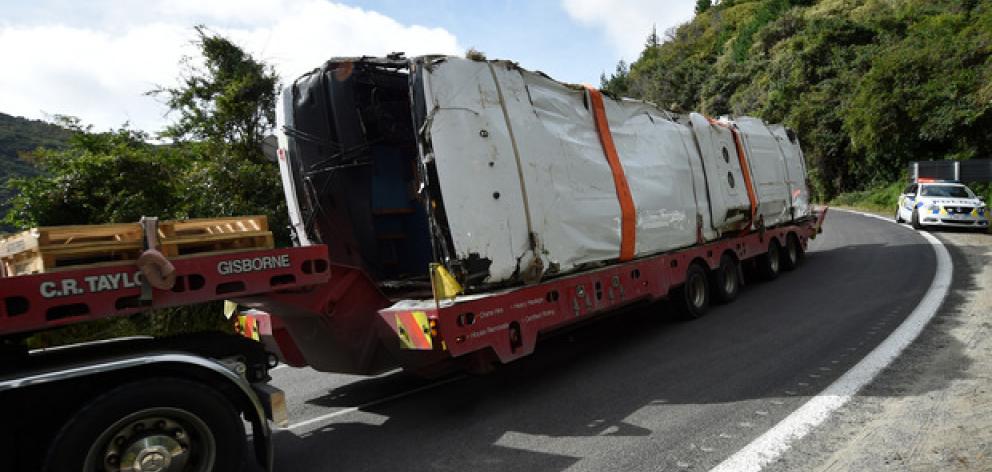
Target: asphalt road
[(635, 391)]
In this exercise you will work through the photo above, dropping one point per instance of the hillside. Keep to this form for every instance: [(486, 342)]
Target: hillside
[(18, 135), (869, 85)]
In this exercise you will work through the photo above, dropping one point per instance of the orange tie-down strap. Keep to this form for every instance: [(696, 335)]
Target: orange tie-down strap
[(628, 214)]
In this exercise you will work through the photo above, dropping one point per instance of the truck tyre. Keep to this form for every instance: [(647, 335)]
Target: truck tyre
[(915, 220), (770, 263), (726, 280), (165, 424), (793, 253), (693, 297)]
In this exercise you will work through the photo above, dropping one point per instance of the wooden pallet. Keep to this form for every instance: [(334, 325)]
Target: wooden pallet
[(236, 233), (53, 248)]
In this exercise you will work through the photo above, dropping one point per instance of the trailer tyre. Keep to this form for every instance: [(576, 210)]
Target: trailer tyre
[(770, 263), (164, 424), (693, 297), (793, 252), (726, 280)]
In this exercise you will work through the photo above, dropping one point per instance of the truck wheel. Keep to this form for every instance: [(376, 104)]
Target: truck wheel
[(770, 263), (161, 424), (915, 220), (793, 252), (693, 297), (726, 280)]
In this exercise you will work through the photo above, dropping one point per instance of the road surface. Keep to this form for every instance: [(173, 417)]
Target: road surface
[(633, 392)]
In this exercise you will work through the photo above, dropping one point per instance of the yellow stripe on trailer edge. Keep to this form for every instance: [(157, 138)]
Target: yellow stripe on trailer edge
[(414, 330)]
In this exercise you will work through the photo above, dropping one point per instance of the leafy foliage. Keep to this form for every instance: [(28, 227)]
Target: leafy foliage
[(213, 165), (703, 5), (225, 108), (106, 177), (869, 85)]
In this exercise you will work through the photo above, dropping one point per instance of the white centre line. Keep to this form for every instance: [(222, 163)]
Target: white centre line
[(770, 445), (390, 398)]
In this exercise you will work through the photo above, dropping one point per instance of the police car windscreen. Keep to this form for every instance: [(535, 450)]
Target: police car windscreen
[(951, 191)]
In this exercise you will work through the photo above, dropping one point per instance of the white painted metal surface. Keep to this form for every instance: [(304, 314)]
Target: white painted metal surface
[(730, 206), (524, 177), (288, 184), (767, 170)]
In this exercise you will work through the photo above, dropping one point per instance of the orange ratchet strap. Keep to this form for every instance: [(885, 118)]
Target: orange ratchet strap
[(628, 215)]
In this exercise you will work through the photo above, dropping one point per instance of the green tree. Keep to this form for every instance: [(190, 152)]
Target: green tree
[(617, 83), (212, 166), (868, 85), (109, 177), (703, 5), (224, 108), (228, 101)]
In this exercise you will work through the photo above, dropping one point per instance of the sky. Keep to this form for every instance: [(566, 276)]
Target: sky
[(95, 59)]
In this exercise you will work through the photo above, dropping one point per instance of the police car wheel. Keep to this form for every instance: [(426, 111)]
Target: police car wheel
[(899, 216), (916, 220)]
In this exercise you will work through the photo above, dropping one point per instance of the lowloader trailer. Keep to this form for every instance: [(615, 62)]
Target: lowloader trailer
[(447, 213)]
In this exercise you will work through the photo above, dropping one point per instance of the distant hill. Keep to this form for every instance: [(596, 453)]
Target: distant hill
[(19, 135), (869, 85)]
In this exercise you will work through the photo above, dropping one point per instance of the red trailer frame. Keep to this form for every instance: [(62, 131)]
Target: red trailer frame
[(427, 335), (42, 301), (509, 322)]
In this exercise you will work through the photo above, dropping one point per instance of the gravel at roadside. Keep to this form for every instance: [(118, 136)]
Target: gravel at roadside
[(932, 408)]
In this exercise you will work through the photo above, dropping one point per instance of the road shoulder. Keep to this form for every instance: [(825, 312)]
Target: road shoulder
[(932, 408)]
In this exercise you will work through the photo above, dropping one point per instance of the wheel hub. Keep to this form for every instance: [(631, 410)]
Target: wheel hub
[(153, 454), (148, 444)]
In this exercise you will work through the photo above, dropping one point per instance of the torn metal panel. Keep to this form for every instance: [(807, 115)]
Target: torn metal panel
[(504, 176), (727, 188), (477, 173), (571, 200), (767, 171), (795, 170)]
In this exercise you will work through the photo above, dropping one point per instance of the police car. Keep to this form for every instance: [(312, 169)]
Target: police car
[(941, 203)]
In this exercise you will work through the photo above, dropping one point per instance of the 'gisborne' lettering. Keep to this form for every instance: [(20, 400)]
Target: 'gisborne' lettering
[(240, 266)]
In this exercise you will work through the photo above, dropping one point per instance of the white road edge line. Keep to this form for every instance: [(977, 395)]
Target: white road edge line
[(353, 409), (770, 445)]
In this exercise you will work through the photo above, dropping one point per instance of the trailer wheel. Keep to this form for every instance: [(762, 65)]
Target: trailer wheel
[(793, 252), (726, 279), (160, 424), (770, 263), (693, 297)]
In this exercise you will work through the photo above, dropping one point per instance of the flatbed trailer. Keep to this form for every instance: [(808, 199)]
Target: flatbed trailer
[(61, 403), (361, 330)]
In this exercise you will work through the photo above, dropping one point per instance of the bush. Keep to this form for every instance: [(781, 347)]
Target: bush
[(881, 198)]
